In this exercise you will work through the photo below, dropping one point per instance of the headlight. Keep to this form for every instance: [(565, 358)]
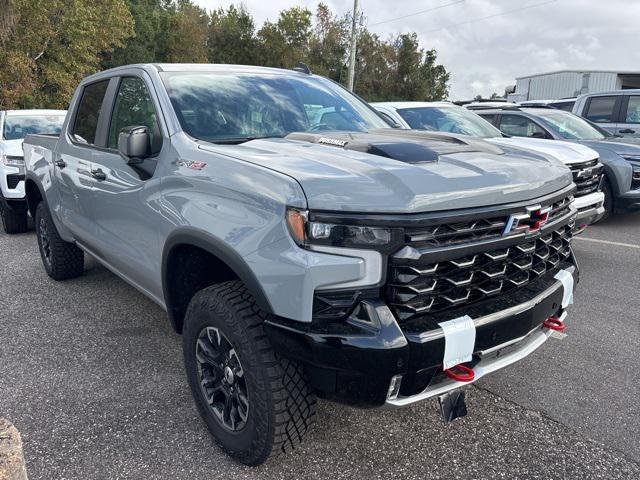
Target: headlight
[(306, 233), (12, 161)]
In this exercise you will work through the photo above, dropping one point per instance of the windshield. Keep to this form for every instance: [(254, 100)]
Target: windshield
[(570, 126), (16, 127), (238, 107), (449, 119)]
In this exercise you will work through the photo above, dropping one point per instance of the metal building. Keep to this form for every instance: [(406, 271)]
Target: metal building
[(571, 83)]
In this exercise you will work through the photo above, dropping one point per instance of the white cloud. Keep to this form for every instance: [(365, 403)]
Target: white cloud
[(485, 56)]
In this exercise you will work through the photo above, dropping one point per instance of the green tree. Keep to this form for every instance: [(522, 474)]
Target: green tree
[(188, 30), (151, 27), (232, 37), (285, 43), (53, 45), (327, 52)]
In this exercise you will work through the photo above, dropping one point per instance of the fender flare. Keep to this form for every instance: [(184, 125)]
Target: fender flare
[(209, 243), (32, 177)]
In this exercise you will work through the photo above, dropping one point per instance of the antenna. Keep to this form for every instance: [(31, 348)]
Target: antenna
[(302, 68)]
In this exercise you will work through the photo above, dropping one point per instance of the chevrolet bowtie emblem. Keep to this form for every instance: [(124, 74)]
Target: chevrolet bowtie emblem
[(529, 222)]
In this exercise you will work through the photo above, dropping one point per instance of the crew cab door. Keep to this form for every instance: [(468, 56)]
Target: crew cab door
[(603, 110), (72, 163), (126, 197)]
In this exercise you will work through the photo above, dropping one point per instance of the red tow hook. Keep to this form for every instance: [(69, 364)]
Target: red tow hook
[(460, 373), (554, 323)]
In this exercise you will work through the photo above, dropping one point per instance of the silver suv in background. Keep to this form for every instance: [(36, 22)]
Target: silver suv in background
[(447, 117), (621, 160), (618, 111), (14, 126)]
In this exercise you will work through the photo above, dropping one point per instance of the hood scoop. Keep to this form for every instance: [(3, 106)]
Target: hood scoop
[(407, 146)]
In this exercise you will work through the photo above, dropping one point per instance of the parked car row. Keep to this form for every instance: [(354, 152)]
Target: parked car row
[(303, 247), (14, 126)]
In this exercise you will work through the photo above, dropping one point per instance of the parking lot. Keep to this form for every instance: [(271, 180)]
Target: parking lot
[(91, 374)]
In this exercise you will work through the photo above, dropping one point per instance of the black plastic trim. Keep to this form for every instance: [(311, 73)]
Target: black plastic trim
[(205, 241)]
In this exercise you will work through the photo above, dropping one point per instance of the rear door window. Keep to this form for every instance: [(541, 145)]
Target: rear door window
[(633, 110), (88, 113), (601, 109)]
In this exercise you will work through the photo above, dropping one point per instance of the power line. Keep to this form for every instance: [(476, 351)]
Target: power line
[(491, 16), (417, 13)]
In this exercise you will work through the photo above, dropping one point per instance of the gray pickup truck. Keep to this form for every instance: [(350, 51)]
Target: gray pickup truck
[(299, 245)]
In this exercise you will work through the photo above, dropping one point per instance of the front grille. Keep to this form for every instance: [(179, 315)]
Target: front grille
[(455, 233), (13, 180), (587, 176), (417, 285)]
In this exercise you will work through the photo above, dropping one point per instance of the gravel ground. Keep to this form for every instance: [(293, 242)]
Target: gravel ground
[(91, 374)]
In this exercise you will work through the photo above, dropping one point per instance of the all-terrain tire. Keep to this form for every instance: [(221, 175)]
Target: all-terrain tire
[(608, 200), (62, 260), (14, 222), (281, 405)]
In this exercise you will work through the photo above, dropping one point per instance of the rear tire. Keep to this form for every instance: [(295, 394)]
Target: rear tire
[(62, 260), (280, 406), (14, 222)]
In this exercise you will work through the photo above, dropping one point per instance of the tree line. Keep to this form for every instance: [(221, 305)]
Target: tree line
[(47, 47)]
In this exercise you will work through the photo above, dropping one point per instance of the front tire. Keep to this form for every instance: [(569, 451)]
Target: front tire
[(608, 200), (62, 260), (14, 222), (227, 353)]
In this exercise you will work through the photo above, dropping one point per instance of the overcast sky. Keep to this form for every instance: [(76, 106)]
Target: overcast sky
[(485, 55)]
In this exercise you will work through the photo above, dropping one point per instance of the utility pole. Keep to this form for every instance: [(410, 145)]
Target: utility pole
[(352, 57)]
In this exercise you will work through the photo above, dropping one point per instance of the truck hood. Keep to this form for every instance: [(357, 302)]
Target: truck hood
[(622, 149), (567, 153), (11, 147), (402, 171)]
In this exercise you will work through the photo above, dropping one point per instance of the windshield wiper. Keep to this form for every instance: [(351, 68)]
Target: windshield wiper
[(239, 140)]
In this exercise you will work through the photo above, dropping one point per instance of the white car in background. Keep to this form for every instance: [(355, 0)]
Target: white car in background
[(14, 126), (447, 117)]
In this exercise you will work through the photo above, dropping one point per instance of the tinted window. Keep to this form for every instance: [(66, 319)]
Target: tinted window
[(388, 118), (448, 119), (16, 127), (134, 107), (633, 110), (489, 117), (236, 107), (84, 126), (600, 109), (518, 126)]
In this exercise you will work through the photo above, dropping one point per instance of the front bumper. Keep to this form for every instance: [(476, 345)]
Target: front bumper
[(590, 209), (355, 363), (628, 201)]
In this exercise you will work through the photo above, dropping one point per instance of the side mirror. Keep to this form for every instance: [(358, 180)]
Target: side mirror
[(134, 144), (538, 135)]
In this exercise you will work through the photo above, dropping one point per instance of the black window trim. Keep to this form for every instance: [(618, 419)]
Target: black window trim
[(112, 104), (615, 114)]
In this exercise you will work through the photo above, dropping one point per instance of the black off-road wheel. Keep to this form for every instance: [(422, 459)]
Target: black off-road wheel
[(14, 222), (62, 260), (255, 403)]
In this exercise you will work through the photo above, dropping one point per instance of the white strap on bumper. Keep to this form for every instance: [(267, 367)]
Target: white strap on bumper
[(567, 284), (459, 340)]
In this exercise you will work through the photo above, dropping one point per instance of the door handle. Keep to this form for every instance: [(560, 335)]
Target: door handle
[(98, 174), (60, 164), (627, 130)]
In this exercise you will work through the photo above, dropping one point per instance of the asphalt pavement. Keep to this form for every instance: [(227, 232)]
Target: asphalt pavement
[(92, 376)]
